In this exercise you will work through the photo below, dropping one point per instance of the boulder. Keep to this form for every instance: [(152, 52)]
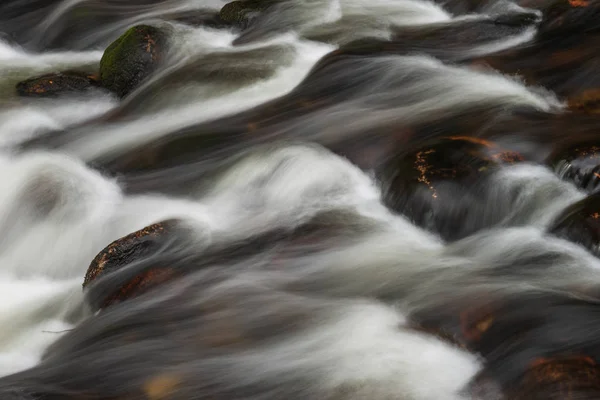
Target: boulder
[(132, 58), (239, 13), (56, 84), (436, 185), (138, 247)]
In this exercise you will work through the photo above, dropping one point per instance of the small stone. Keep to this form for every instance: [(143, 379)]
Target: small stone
[(53, 85)]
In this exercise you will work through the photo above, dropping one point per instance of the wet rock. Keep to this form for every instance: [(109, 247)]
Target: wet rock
[(535, 345), (53, 85), (580, 223), (132, 58), (569, 17), (561, 57), (579, 164), (240, 13), (136, 247), (431, 185), (562, 377)]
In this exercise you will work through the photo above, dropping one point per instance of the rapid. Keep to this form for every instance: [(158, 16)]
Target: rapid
[(362, 199)]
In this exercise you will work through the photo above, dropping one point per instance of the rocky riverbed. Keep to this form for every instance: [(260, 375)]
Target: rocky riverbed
[(284, 199)]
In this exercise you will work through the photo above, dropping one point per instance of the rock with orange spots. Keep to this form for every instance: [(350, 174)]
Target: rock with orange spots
[(430, 184), (554, 378), (138, 251), (52, 85), (132, 58), (580, 223)]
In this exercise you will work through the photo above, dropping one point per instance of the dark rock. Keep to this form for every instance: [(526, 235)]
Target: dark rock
[(562, 56), (134, 248), (587, 102), (132, 58), (560, 377), (580, 223), (579, 164), (239, 13), (569, 17), (52, 85), (514, 18), (431, 185)]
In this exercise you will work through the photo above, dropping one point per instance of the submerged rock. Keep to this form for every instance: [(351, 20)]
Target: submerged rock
[(52, 85), (587, 102), (580, 223), (133, 248), (560, 377), (579, 164), (203, 17), (431, 184), (132, 58), (563, 18)]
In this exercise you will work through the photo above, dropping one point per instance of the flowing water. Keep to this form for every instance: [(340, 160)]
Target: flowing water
[(305, 279)]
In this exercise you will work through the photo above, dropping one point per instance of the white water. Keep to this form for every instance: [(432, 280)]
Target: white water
[(44, 252)]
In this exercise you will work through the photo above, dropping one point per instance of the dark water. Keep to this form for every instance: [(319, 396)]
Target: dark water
[(365, 199)]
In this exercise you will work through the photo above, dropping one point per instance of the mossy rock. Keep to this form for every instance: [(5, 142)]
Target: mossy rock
[(132, 58), (239, 13), (56, 84)]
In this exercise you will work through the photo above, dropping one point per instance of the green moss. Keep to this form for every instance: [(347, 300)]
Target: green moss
[(237, 12), (131, 58)]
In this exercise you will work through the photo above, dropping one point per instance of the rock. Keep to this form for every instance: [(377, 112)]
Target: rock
[(561, 57), (580, 223), (556, 378), (431, 185), (587, 102), (136, 247), (132, 58), (239, 13), (52, 85), (579, 164), (567, 18)]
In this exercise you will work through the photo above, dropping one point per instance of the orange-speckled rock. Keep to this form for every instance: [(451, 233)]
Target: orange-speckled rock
[(141, 245), (554, 378), (122, 251), (586, 102), (52, 85), (421, 181)]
